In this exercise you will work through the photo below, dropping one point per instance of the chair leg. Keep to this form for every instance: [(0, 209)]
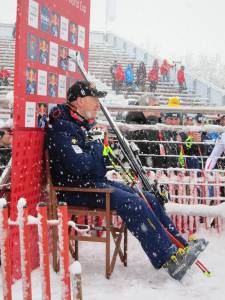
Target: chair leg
[(76, 250), (107, 258), (125, 246), (117, 236), (108, 221)]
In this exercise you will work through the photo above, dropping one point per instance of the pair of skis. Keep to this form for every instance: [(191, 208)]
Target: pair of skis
[(132, 160)]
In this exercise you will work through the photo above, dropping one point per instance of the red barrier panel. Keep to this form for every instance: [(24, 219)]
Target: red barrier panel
[(5, 251), (23, 223), (46, 32), (43, 250), (63, 250), (24, 249)]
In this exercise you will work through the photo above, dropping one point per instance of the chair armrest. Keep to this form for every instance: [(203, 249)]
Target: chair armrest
[(107, 191), (86, 190)]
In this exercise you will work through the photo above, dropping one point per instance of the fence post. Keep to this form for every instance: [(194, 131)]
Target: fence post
[(64, 251), (24, 248), (5, 250), (75, 271), (43, 250)]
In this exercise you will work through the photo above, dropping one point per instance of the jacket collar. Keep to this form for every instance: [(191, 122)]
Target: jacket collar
[(80, 120)]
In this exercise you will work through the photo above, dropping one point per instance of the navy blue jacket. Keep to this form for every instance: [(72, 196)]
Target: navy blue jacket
[(74, 160)]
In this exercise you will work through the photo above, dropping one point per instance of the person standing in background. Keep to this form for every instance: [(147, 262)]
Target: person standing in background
[(165, 70), (113, 74), (181, 79), (141, 76), (153, 79)]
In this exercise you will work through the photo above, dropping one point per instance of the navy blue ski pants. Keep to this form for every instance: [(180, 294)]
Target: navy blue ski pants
[(145, 224)]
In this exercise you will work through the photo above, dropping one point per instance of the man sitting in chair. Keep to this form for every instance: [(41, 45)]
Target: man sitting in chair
[(77, 161)]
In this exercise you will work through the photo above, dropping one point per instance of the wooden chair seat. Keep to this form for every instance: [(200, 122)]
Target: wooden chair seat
[(85, 210), (102, 233)]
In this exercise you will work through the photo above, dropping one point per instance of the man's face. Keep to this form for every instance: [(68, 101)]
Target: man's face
[(176, 121), (5, 139), (172, 121), (189, 122), (88, 107), (222, 121), (152, 102)]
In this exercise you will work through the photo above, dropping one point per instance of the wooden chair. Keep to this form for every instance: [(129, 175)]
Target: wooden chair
[(118, 232)]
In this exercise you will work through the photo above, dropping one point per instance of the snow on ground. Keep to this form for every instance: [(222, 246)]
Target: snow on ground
[(139, 280)]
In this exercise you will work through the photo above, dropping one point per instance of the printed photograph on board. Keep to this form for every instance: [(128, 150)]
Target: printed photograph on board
[(64, 23), (52, 84), (72, 64), (53, 54), (44, 19), (33, 13), (54, 24), (70, 81), (42, 113), (32, 48), (73, 33), (43, 51), (51, 106), (62, 86), (30, 111), (42, 83), (81, 36), (31, 81), (82, 59), (63, 60)]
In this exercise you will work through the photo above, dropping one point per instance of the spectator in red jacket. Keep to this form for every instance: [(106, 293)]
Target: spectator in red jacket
[(120, 77), (156, 65), (153, 78), (4, 76), (165, 70), (181, 79)]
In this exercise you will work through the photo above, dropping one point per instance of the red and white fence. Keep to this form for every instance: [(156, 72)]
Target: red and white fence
[(188, 213), (67, 273), (193, 187)]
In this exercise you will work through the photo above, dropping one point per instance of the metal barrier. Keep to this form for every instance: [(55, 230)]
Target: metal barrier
[(191, 187), (23, 221)]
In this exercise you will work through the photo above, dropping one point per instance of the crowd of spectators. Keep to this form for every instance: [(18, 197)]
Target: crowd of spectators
[(163, 148), (170, 148), (141, 79)]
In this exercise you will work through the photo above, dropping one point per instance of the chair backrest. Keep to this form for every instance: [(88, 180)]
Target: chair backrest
[(52, 191)]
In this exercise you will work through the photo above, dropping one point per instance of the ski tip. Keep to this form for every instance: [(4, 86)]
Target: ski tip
[(207, 274)]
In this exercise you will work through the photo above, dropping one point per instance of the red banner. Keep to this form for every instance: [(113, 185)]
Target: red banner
[(47, 32)]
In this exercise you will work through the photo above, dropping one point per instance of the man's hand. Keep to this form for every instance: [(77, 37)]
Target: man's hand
[(101, 127), (179, 139)]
